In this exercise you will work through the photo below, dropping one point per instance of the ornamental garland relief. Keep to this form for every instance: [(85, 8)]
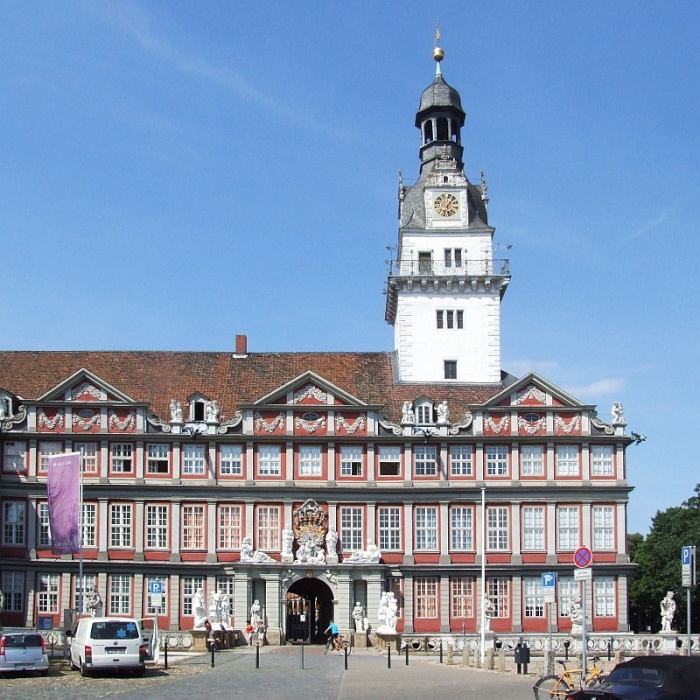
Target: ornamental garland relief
[(502, 425), (85, 388), (50, 424), (310, 426), (532, 428), (574, 425), (359, 424), (262, 424), (84, 423), (127, 424), (310, 391), (531, 393)]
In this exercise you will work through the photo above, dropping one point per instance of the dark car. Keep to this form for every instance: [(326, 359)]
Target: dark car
[(648, 678)]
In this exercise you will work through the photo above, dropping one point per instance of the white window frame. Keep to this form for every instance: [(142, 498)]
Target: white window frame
[(43, 525), (426, 528), (121, 456), (268, 527), (352, 528), (120, 525), (190, 585), (462, 528), (498, 591), (231, 460), (567, 460), (193, 526), (497, 528), (90, 582), (568, 589), (389, 519), (568, 528), (13, 589), (425, 460), (603, 519), (604, 596), (46, 450), (152, 609), (310, 460), (389, 460), (157, 526), (533, 597), (194, 460), (88, 456), (351, 458), (426, 597), (120, 594), (14, 530), (496, 460), (47, 594), (158, 456), (269, 460), (602, 460), (230, 525), (533, 528), (15, 456), (531, 460), (461, 460), (89, 529), (462, 596)]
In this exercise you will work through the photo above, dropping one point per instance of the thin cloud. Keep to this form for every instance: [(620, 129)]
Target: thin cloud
[(648, 227), (136, 24), (597, 389)]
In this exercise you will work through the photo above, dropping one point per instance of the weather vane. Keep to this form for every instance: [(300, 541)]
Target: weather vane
[(437, 33)]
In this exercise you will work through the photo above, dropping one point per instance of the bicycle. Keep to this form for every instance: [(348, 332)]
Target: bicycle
[(339, 644), (549, 687)]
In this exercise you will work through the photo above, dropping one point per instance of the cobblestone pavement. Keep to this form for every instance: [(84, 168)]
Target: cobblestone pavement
[(280, 674)]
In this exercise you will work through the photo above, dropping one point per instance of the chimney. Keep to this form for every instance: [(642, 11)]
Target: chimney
[(241, 345)]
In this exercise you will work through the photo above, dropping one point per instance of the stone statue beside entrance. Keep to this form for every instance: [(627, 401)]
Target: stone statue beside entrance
[(387, 614), (668, 610), (199, 610), (358, 615), (371, 555)]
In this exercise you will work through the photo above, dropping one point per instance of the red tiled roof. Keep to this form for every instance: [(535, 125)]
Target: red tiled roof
[(158, 377)]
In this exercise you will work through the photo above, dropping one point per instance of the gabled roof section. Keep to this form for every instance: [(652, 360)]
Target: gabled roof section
[(533, 390), (300, 384), (81, 382)]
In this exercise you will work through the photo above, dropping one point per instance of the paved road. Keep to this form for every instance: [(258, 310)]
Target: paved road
[(281, 675)]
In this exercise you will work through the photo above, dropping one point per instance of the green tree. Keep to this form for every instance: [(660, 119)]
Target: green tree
[(658, 559)]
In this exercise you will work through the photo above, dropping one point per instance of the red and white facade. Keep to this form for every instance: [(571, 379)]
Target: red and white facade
[(172, 486)]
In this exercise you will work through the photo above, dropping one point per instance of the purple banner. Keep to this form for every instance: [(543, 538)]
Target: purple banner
[(63, 488)]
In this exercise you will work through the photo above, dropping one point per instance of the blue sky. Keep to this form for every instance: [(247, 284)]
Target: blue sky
[(176, 173)]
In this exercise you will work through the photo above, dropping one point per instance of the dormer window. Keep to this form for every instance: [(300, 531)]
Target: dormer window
[(424, 413), (198, 410), (198, 407)]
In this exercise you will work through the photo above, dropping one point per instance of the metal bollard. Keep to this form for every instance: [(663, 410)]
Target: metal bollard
[(165, 654), (257, 656), (346, 658), (302, 657), (406, 653), (610, 646), (441, 651), (212, 655), (388, 655)]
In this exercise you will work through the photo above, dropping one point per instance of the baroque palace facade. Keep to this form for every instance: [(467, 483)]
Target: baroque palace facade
[(312, 481)]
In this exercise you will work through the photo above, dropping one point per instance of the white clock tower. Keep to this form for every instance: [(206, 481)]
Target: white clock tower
[(445, 287)]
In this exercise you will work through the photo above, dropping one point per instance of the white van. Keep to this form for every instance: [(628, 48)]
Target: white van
[(101, 643)]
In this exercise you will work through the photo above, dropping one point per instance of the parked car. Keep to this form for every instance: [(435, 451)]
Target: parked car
[(23, 651), (108, 643), (648, 678)]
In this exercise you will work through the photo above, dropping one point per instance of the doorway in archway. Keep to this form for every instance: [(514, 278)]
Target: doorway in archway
[(309, 610)]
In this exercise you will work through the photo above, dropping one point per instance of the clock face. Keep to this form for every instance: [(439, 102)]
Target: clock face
[(446, 204)]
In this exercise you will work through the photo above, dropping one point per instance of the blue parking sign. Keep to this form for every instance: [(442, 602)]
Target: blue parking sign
[(549, 580), (155, 587)]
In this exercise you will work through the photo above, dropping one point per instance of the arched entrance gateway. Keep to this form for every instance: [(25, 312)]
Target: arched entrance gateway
[(309, 609)]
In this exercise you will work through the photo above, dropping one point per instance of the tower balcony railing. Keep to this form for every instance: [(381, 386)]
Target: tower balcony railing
[(466, 268)]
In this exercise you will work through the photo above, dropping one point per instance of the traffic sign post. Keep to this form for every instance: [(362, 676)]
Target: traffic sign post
[(688, 579), (583, 558), (549, 590)]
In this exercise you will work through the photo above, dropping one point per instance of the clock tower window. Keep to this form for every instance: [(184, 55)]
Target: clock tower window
[(450, 369)]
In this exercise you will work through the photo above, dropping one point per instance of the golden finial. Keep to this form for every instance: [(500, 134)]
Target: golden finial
[(438, 53)]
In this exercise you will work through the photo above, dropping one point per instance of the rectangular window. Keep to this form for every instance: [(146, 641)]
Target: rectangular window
[(426, 598), (425, 460), (603, 527), (533, 527), (192, 527), (153, 608), (310, 460), (458, 257), (47, 593), (13, 527), (389, 460), (440, 319), (13, 589), (88, 456), (90, 584), (462, 597), (351, 460), (425, 414), (15, 456), (450, 369), (269, 460), (497, 528), (389, 528), (426, 528), (532, 460), (568, 588), (462, 527), (461, 460), (89, 531), (498, 592), (120, 525), (194, 459), (120, 594), (229, 527), (568, 527), (602, 460), (157, 527), (351, 529), (448, 257), (121, 457), (497, 460), (534, 596), (604, 596), (450, 319), (190, 585), (460, 319), (231, 459), (567, 460), (46, 449), (43, 535), (269, 528), (158, 459)]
